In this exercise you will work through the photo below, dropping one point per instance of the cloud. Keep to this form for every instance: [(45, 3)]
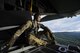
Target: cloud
[(64, 24)]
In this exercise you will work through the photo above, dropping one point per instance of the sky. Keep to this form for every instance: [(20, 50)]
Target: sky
[(64, 24)]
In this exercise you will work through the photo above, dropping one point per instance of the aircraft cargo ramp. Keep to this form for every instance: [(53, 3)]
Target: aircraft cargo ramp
[(48, 49)]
